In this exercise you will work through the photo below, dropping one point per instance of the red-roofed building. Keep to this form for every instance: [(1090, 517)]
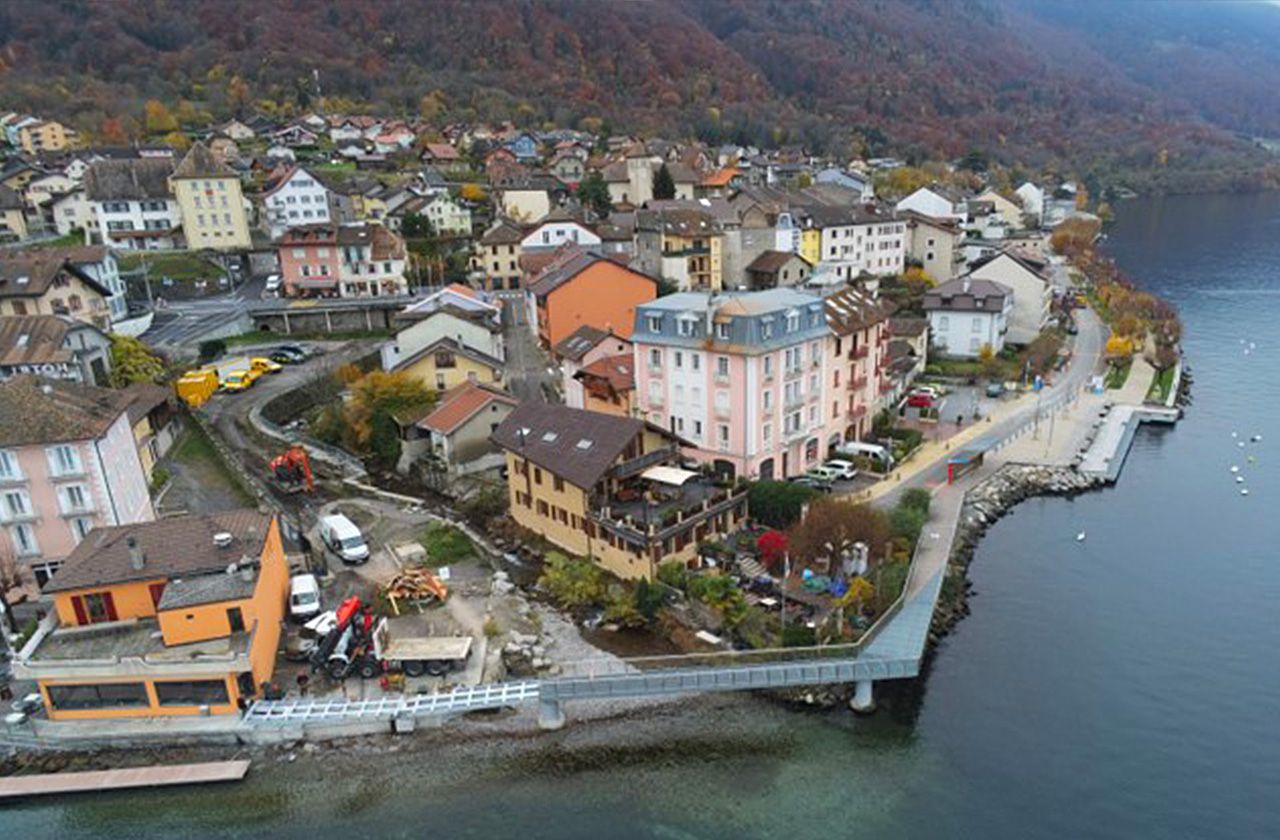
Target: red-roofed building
[(457, 431), (609, 385)]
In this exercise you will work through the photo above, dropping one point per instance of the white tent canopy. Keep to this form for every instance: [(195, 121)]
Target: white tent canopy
[(668, 475)]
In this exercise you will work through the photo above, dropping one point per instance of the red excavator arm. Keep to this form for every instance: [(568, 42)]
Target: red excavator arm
[(293, 467)]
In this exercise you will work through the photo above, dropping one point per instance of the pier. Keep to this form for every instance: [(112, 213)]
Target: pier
[(44, 784)]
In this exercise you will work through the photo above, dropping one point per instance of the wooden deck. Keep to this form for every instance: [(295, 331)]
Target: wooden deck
[(12, 787)]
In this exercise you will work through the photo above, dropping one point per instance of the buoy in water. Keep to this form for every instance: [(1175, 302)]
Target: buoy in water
[(1234, 468), (1239, 479), (1244, 491), (1080, 537)]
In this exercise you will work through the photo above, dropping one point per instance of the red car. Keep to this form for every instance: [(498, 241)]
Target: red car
[(920, 399)]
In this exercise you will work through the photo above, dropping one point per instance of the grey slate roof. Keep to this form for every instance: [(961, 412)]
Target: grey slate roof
[(131, 179), (576, 445), (40, 411), (199, 162)]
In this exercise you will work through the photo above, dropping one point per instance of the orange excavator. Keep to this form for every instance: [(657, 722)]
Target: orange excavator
[(292, 470)]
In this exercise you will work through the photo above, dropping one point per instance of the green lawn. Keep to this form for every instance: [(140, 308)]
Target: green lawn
[(446, 544), (177, 265), (1161, 384), (1118, 374)]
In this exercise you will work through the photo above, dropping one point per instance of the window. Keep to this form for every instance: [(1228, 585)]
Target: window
[(94, 608), (16, 504), (679, 362), (975, 344), (722, 434), (655, 358), (943, 323), (766, 433), (194, 693), (977, 325), (680, 394), (722, 366), (558, 484), (73, 498), (10, 469), (793, 321), (766, 330), (722, 331), (537, 475), (768, 366), (105, 696), (235, 620), (24, 540), (767, 400), (445, 359), (695, 361), (697, 428)]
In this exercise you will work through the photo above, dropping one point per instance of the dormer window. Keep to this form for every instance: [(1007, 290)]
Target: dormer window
[(722, 331), (655, 323), (793, 321)]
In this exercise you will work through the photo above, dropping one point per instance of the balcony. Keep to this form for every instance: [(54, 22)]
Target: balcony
[(82, 509), (723, 412), (860, 352), (9, 517), (640, 463), (675, 509), (793, 372), (857, 383)]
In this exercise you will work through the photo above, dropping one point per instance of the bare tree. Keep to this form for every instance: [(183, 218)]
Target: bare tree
[(10, 579)]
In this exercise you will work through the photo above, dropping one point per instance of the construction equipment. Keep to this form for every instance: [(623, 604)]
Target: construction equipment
[(398, 648), (346, 646), (291, 469), (416, 586), (354, 645)]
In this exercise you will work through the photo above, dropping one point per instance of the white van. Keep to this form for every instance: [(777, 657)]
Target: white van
[(304, 598), (273, 283), (866, 450), (343, 538)]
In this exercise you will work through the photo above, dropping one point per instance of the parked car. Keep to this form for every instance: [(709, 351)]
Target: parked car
[(811, 482), (920, 399), (304, 598), (273, 283), (845, 470), (264, 365), (995, 389), (823, 474), (282, 357), (343, 538), (237, 380), (863, 449)]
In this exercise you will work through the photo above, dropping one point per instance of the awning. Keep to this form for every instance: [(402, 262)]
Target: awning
[(668, 475)]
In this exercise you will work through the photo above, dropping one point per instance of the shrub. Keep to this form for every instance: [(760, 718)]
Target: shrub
[(917, 498), (777, 503), (648, 599), (620, 608), (798, 635), (572, 581), (212, 349), (484, 506), (674, 574), (446, 544), (491, 628), (160, 476), (907, 522)]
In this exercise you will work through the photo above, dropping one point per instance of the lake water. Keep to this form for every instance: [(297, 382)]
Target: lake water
[(1126, 686)]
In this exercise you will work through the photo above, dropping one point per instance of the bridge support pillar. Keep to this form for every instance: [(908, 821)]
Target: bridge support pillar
[(862, 700), (550, 715)]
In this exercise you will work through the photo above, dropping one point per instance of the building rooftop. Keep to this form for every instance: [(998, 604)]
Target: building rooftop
[(31, 274), (36, 411), (210, 588), (128, 179), (965, 294), (851, 310), (171, 548), (579, 342), (133, 639), (35, 339), (576, 445), (618, 371), (460, 403), (200, 162)]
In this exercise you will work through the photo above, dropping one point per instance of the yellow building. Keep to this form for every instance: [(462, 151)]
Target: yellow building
[(173, 617), (43, 136), (36, 284), (606, 487), (682, 245), (210, 201), (811, 245), (446, 362)]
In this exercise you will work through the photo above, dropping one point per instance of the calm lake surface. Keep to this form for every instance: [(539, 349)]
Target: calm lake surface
[(1126, 686)]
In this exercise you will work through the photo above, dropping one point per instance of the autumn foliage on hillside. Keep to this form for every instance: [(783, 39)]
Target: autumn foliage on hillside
[(1022, 81)]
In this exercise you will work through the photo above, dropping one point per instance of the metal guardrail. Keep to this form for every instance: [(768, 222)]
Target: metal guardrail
[(458, 701)]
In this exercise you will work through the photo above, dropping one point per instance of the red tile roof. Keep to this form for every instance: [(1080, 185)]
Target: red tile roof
[(459, 404)]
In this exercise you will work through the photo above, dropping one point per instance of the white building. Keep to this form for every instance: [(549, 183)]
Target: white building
[(966, 315), (1028, 280), (72, 211), (297, 198), (555, 229), (131, 200), (934, 202), (447, 217), (857, 240), (1032, 201)]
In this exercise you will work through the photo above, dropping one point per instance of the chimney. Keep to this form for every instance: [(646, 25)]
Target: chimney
[(966, 285), (136, 558)]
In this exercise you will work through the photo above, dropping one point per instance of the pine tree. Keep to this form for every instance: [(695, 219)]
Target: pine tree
[(664, 186)]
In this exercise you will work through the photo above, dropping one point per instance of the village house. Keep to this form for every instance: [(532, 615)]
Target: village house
[(98, 263), (739, 375), (908, 353), (155, 421), (236, 130), (581, 287), (13, 219), (475, 328), (1010, 212), (609, 385), (446, 362), (456, 433), (35, 284), (966, 315), (1032, 292), (447, 216), (584, 346), (525, 196), (54, 347), (373, 261), (773, 269), (938, 202), (555, 229), (309, 261), (210, 202), (68, 464), (608, 488), (861, 239), (182, 616), (69, 212), (681, 245), (132, 203), (442, 155), (495, 264), (858, 349), (934, 245), (38, 137), (295, 197)]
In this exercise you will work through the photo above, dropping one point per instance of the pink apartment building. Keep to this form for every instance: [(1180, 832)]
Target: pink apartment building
[(309, 262), (742, 376), (68, 463), (859, 351)]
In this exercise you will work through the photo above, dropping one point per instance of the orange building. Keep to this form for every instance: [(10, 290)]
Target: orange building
[(581, 287), (173, 617), (609, 385)]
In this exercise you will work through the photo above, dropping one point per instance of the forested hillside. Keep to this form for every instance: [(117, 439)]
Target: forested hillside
[(1151, 95)]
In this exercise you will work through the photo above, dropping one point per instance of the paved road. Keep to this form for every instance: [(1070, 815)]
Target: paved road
[(527, 370), (182, 323)]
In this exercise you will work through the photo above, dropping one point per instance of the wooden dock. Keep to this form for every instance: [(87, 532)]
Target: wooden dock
[(12, 787)]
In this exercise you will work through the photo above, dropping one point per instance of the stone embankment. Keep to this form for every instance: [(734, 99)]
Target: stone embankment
[(984, 505)]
